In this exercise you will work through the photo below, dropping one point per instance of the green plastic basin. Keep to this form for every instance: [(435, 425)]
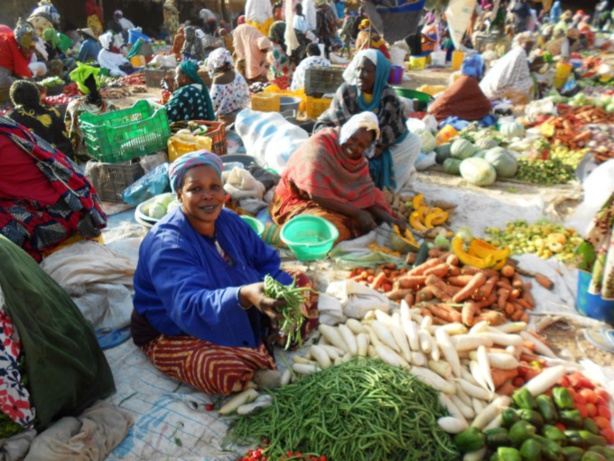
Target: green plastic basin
[(309, 237), (256, 225), (412, 94)]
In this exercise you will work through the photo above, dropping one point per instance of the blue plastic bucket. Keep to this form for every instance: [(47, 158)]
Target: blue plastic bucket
[(592, 306), (134, 35)]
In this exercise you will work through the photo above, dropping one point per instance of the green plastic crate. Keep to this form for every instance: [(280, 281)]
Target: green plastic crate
[(119, 136)]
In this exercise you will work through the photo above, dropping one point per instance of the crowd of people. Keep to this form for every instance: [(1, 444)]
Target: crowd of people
[(200, 312)]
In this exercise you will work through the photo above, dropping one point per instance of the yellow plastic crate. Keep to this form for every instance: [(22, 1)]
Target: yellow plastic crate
[(265, 102), (317, 106)]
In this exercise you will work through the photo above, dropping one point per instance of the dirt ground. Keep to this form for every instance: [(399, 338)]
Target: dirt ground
[(427, 77)]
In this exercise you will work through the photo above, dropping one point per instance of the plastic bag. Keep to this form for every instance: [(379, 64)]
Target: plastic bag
[(240, 184), (154, 183), (183, 143), (425, 161)]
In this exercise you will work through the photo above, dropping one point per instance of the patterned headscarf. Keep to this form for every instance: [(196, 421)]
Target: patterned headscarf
[(277, 32), (24, 34), (367, 120), (218, 58), (180, 166), (473, 66)]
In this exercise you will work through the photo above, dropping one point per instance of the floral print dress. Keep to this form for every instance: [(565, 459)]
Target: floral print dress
[(280, 62), (230, 97)]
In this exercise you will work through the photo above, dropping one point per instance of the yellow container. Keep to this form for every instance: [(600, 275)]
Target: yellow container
[(181, 144), (559, 82), (138, 61), (563, 69), (457, 59), (265, 102), (417, 62), (317, 106), (445, 134)]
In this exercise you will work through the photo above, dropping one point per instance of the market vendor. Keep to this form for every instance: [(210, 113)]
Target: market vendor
[(52, 363), (369, 38), (115, 63), (89, 46), (15, 52), (229, 90), (192, 49), (464, 99), (44, 199), (510, 76), (281, 63), (564, 43), (251, 48), (366, 89), (190, 99), (328, 176), (200, 312), (43, 120), (58, 63), (44, 16), (88, 81), (314, 58)]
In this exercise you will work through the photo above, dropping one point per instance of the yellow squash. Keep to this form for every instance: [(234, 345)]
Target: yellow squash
[(481, 248), (414, 220), (468, 259), (417, 201)]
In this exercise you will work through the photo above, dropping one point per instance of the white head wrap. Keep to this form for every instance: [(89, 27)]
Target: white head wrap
[(350, 73), (367, 120), (106, 39)]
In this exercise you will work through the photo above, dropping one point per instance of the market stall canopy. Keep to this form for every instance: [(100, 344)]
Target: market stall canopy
[(401, 17)]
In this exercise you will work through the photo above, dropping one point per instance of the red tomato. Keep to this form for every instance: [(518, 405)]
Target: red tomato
[(603, 394), (370, 279), (582, 409), (386, 287), (323, 458), (579, 399), (588, 395), (572, 392), (561, 426), (602, 423), (577, 379), (600, 401), (591, 409), (563, 382), (518, 381), (604, 412), (608, 434)]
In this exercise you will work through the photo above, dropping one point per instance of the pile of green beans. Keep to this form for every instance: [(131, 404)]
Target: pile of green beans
[(362, 410), (293, 317)]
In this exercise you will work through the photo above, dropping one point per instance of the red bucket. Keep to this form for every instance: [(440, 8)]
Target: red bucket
[(396, 75)]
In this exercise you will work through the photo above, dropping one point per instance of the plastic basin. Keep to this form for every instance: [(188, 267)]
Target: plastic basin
[(309, 237), (413, 94), (289, 103), (593, 306), (256, 225)]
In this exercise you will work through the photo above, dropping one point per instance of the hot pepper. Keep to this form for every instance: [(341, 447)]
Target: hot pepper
[(571, 418), (470, 440), (531, 450), (603, 451), (547, 409), (592, 456), (591, 440), (497, 437), (508, 454), (573, 453), (554, 434), (509, 417), (590, 426), (532, 417), (551, 451), (563, 399), (523, 399), (521, 431), (573, 438)]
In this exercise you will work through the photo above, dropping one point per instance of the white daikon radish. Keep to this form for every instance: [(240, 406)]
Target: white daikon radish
[(370, 315), (545, 380), (252, 385), (235, 402), (285, 377), (355, 326), (448, 351), (411, 330), (396, 318), (299, 359), (401, 339), (416, 317), (452, 425), (496, 423), (491, 411), (321, 357), (463, 396), (540, 347), (373, 339), (433, 379), (349, 339), (381, 316), (404, 310), (418, 358), (479, 327), (478, 455), (455, 328), (485, 368), (512, 327), (478, 405), (426, 341), (503, 361), (346, 358), (447, 403), (333, 336), (476, 372), (390, 357), (323, 341), (305, 369), (469, 343), (503, 339), (427, 322), (371, 352), (442, 368), (362, 342), (475, 391), (338, 361), (262, 401), (466, 410), (332, 351), (385, 335), (467, 376)]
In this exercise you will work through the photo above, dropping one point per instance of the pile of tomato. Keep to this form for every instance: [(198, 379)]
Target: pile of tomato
[(259, 455)]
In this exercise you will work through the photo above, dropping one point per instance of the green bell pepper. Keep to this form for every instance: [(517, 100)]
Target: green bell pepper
[(509, 417), (531, 416), (531, 450), (590, 426), (508, 454), (571, 418), (573, 453), (521, 431), (471, 439), (497, 437), (555, 434), (563, 399), (590, 439), (524, 399), (603, 451), (547, 409), (551, 451)]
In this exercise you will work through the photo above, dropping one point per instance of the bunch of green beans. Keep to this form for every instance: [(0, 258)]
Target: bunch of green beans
[(362, 410), (293, 317)]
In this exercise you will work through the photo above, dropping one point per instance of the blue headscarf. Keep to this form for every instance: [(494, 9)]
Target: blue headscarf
[(382, 74), (180, 166), (473, 66)]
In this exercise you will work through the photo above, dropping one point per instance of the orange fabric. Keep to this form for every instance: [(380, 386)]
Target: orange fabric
[(464, 99), (248, 44)]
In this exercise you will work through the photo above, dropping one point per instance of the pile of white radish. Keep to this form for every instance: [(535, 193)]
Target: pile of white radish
[(452, 359)]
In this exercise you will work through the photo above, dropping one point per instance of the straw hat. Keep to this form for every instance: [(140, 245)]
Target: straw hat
[(87, 31)]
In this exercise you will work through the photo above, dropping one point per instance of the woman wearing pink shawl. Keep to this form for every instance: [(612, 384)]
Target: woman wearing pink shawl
[(251, 48)]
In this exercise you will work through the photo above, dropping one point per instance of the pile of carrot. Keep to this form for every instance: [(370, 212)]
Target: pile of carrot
[(570, 127), (449, 292)]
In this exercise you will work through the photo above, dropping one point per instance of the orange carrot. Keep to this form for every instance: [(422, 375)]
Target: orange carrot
[(424, 266), (441, 270), (515, 293), (504, 283), (409, 298), (476, 282), (502, 298), (507, 388), (516, 281), (492, 299), (544, 281), (489, 286), (521, 302), (438, 310), (493, 318), (397, 295), (526, 294), (508, 270), (469, 270), (378, 281), (500, 376), (411, 281), (452, 260), (516, 316), (435, 253), (469, 312), (460, 280), (509, 309), (454, 271), (425, 294)]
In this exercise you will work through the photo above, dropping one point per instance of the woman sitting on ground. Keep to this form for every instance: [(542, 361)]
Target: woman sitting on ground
[(88, 82), (44, 199), (366, 89), (314, 58), (328, 176), (200, 313), (43, 120), (114, 63), (229, 91), (251, 49), (190, 99), (464, 99)]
